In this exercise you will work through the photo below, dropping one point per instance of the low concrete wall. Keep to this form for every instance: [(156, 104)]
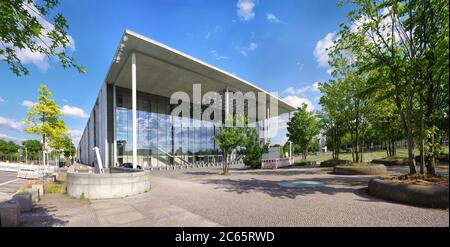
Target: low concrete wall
[(391, 162), (433, 196), (110, 185), (361, 170)]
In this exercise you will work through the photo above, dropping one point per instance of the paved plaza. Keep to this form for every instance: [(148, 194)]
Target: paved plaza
[(201, 197)]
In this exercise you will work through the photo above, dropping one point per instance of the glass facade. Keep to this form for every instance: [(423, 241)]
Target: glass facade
[(159, 142)]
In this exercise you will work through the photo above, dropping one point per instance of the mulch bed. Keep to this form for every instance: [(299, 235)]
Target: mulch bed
[(420, 179)]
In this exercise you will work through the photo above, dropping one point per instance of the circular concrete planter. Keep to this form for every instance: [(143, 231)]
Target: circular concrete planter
[(305, 163), (361, 170), (432, 196), (391, 162), (333, 163), (109, 185)]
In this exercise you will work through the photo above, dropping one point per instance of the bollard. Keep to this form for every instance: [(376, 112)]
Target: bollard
[(24, 200), (9, 213)]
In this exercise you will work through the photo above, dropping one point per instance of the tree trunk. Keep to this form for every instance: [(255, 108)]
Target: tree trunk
[(387, 148), (43, 149), (394, 148), (430, 167), (362, 147), (411, 161), (225, 162), (421, 139)]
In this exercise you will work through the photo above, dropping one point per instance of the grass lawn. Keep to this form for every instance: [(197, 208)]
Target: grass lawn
[(368, 156)]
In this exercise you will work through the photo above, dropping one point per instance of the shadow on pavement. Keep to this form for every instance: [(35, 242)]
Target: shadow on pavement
[(329, 186), (283, 172), (41, 217)]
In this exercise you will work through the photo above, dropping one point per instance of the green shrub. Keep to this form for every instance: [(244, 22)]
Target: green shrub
[(253, 149), (55, 187), (84, 198)]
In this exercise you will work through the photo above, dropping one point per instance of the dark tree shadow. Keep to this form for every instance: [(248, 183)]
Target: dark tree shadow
[(329, 186), (284, 172), (41, 217), (202, 173)]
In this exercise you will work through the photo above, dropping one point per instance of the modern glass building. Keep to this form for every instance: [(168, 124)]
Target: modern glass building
[(133, 122)]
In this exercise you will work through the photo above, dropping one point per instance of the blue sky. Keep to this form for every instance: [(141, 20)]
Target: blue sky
[(277, 45)]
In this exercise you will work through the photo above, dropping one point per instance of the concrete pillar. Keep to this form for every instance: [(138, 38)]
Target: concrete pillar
[(133, 108), (227, 99), (114, 163), (107, 154)]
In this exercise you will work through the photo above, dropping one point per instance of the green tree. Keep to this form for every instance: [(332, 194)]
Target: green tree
[(33, 148), (302, 128), (253, 148), (68, 147), (406, 43), (8, 150), (229, 137), (24, 25), (43, 118)]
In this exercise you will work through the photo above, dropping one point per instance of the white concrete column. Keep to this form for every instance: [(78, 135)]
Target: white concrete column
[(106, 154), (114, 128), (227, 102), (266, 127), (133, 108)]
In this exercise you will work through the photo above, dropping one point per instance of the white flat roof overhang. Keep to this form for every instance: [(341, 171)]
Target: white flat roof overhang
[(162, 70)]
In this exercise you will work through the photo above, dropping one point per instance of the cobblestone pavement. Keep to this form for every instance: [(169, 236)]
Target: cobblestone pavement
[(202, 197), (139, 210), (255, 198)]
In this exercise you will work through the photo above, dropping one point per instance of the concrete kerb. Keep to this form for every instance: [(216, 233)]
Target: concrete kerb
[(35, 196), (360, 170), (432, 196)]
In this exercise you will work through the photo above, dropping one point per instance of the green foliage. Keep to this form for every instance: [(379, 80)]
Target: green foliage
[(229, 137), (390, 78), (43, 119), (55, 187), (68, 147), (23, 26), (253, 148), (314, 145), (33, 149), (302, 128), (8, 150)]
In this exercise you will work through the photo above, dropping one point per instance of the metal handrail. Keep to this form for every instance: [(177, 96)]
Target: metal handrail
[(174, 157)]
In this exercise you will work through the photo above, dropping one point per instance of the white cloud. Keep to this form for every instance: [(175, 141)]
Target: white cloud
[(1, 100), (296, 91), (27, 103), (300, 66), (74, 111), (215, 30), (11, 123), (385, 27), (320, 51), (315, 86), (272, 18), (297, 102), (26, 56), (251, 47), (75, 135), (245, 9), (329, 71), (10, 138), (217, 56)]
